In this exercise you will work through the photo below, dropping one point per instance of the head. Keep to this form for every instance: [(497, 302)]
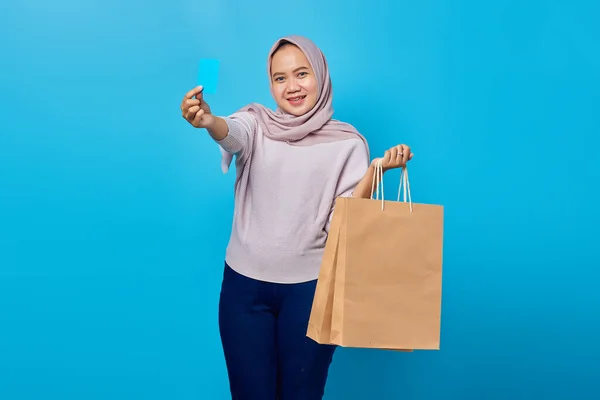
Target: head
[(297, 73)]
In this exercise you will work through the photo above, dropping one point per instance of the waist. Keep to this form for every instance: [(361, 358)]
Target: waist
[(282, 261)]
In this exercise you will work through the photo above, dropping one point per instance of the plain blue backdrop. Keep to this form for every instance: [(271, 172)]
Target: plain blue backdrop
[(114, 214)]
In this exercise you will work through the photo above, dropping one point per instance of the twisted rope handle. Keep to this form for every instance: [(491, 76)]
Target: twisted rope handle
[(378, 177)]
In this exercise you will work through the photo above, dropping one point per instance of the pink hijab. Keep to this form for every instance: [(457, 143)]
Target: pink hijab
[(317, 125)]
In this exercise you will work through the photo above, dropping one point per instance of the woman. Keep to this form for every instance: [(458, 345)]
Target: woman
[(291, 164)]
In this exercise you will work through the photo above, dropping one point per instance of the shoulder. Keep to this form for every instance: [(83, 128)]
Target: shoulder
[(251, 114), (243, 119), (349, 153), (355, 137), (242, 115), (357, 151), (352, 145), (356, 143), (251, 111)]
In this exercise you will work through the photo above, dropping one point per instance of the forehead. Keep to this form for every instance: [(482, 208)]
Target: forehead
[(288, 57)]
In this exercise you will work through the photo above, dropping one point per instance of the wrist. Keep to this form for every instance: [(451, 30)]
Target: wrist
[(373, 165), (211, 123), (217, 128)]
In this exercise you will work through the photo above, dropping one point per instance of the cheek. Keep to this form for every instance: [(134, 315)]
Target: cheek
[(278, 90), (311, 87)]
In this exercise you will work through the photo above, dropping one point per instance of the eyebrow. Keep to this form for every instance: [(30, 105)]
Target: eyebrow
[(296, 70)]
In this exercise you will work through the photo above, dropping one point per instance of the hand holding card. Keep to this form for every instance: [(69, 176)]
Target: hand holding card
[(196, 110), (194, 107)]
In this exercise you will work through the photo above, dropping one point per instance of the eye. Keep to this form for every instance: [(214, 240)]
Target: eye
[(279, 79), (302, 74)]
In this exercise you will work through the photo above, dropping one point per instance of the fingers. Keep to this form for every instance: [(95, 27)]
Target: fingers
[(192, 112), (191, 106), (198, 118), (192, 102), (387, 158), (187, 105), (397, 156), (189, 101), (194, 92), (405, 154)]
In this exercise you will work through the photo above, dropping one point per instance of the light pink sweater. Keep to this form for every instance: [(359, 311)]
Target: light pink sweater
[(284, 199)]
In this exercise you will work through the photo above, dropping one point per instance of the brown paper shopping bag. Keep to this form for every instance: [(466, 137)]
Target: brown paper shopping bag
[(319, 324), (382, 279)]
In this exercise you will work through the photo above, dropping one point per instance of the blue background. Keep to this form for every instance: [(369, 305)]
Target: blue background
[(114, 214)]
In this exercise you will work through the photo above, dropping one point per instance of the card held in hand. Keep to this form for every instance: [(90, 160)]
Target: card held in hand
[(208, 75)]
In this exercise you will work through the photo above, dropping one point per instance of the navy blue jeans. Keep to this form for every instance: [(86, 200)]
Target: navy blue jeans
[(263, 331)]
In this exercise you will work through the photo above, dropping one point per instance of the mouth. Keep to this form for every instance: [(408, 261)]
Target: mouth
[(297, 100)]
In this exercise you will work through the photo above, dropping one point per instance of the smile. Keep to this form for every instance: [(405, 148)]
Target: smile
[(295, 101)]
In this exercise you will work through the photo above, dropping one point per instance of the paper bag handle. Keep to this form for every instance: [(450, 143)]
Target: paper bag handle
[(378, 177)]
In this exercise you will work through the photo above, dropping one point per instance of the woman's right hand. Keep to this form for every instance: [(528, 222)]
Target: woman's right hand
[(195, 110)]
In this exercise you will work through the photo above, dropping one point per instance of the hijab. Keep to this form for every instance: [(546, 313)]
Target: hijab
[(317, 125)]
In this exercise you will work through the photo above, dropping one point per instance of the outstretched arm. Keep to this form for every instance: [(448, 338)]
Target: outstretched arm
[(231, 135)]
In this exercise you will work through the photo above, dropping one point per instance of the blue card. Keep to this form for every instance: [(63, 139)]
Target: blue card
[(208, 75)]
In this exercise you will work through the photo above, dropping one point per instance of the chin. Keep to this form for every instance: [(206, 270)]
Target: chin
[(296, 111)]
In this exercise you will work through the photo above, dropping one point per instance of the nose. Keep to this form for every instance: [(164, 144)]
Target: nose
[(293, 86)]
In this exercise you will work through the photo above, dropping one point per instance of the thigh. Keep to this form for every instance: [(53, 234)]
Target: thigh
[(247, 327), (303, 363)]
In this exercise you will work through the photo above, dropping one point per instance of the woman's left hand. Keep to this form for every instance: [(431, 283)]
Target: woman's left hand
[(395, 157)]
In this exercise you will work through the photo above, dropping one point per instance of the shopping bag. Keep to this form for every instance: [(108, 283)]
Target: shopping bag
[(319, 324), (382, 274)]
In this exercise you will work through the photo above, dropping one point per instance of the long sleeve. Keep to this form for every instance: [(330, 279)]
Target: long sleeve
[(354, 170), (242, 129)]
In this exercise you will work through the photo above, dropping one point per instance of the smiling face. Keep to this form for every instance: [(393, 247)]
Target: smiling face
[(294, 84)]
